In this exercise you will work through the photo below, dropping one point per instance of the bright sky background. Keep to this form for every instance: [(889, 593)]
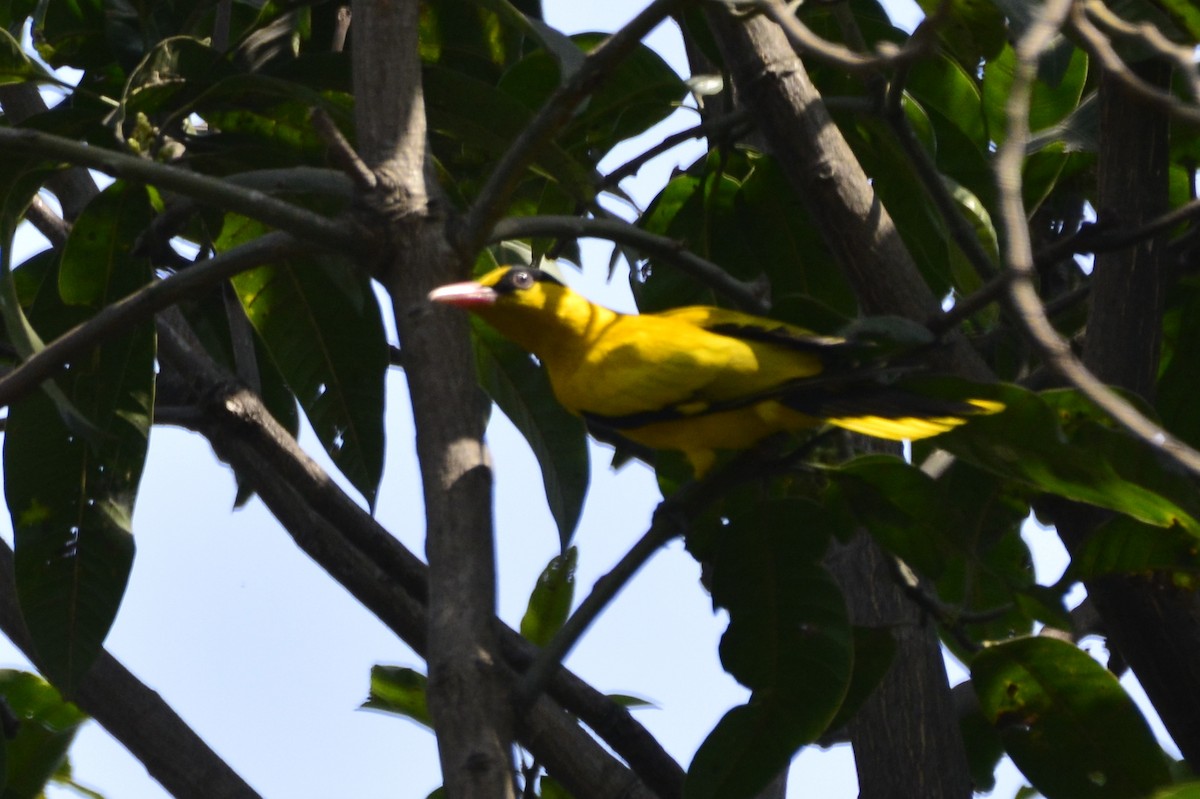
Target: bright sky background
[(267, 658)]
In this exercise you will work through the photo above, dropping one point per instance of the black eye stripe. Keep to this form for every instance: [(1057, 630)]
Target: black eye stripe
[(520, 278)]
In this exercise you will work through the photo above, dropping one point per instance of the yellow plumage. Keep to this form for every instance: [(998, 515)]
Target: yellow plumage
[(695, 379)]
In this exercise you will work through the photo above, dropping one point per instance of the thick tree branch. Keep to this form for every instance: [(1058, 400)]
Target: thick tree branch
[(493, 197), (772, 82), (1153, 625), (336, 234), (140, 307), (468, 700), (1019, 256), (392, 583), (134, 714)]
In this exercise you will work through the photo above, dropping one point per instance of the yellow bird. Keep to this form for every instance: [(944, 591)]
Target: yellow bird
[(696, 379)]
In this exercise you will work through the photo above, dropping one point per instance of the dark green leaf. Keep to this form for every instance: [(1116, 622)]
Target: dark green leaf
[(874, 650), (640, 92), (744, 752), (320, 321), (71, 499), (550, 603), (1058, 443), (1123, 546), (789, 636), (557, 438), (972, 30), (47, 727), (982, 742), (1066, 722), (399, 690)]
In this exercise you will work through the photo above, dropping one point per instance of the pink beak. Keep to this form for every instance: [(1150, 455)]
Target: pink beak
[(469, 294)]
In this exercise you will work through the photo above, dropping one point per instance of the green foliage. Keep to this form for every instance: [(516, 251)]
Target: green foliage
[(1066, 721), (71, 496), (156, 83), (46, 725), (789, 641), (521, 389), (550, 603), (399, 690)]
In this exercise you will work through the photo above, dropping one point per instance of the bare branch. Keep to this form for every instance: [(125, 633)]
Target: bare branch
[(730, 125), (1101, 49), (1019, 256), (808, 43), (490, 202), (141, 306), (393, 583), (667, 249), (1147, 34), (336, 234)]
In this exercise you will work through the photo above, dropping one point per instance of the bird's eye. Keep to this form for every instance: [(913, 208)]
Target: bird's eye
[(522, 279)]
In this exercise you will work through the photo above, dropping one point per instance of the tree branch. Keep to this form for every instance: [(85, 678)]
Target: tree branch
[(141, 306), (393, 584), (335, 234), (1019, 257), (668, 249), (493, 197), (467, 695)]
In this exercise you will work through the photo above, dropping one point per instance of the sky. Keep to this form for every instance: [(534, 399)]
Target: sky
[(268, 659)]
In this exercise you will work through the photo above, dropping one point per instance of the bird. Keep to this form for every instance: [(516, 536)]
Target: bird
[(697, 379)]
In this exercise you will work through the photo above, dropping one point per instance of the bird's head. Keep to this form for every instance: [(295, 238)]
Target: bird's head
[(529, 306), (508, 286)]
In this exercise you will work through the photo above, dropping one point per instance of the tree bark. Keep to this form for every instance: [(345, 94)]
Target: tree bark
[(1154, 625), (905, 737), (906, 740), (467, 698)]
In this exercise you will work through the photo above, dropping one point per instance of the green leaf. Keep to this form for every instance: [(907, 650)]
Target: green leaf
[(71, 499), (982, 742), (641, 91), (552, 789), (47, 727), (550, 603), (744, 752), (874, 650), (320, 321), (1066, 722), (789, 636), (558, 438), (1121, 545), (399, 690), (971, 30), (1058, 443), (1056, 94)]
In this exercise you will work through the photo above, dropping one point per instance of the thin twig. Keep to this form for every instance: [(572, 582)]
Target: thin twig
[(1019, 257), (333, 233), (493, 197), (707, 272), (1103, 238), (731, 125), (342, 152), (1099, 48), (140, 306), (806, 42), (670, 520), (1181, 57)]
